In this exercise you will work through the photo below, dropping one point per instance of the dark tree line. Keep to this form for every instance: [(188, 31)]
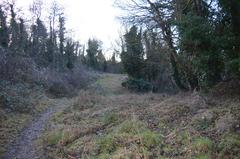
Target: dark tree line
[(194, 42), (49, 47)]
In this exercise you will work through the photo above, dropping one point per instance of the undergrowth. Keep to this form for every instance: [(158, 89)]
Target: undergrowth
[(149, 126)]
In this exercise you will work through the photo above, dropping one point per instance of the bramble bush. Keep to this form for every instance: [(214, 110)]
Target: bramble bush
[(137, 85)]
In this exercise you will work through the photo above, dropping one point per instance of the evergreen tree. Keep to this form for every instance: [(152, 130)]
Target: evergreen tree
[(113, 59), (105, 66), (50, 45), (13, 30), (132, 58), (23, 37), (38, 43), (3, 29), (228, 32), (155, 62), (198, 47), (61, 33), (101, 61), (42, 41), (69, 52), (94, 46), (61, 40)]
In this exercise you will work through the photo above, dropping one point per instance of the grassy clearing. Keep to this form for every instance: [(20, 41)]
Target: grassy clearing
[(109, 85), (106, 122)]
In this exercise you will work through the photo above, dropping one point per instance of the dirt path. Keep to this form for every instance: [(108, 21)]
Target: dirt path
[(108, 121), (23, 147)]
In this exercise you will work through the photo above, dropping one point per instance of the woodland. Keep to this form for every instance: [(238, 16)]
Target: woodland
[(170, 88)]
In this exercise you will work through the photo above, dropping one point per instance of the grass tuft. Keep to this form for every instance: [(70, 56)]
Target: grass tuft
[(106, 144), (230, 145), (132, 127), (53, 138), (202, 145), (150, 139), (110, 118), (132, 135)]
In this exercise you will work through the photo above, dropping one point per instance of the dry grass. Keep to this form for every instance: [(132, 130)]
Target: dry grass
[(11, 123), (106, 121), (10, 127)]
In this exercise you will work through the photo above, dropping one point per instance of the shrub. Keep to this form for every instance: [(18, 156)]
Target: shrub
[(16, 68), (13, 97), (138, 85), (20, 69), (59, 89)]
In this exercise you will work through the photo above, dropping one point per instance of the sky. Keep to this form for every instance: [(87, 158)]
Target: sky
[(88, 19)]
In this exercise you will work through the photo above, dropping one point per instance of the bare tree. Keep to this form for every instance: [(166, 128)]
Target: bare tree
[(55, 12), (36, 9)]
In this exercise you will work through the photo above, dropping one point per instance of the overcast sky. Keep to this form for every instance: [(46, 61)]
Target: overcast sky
[(88, 19)]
